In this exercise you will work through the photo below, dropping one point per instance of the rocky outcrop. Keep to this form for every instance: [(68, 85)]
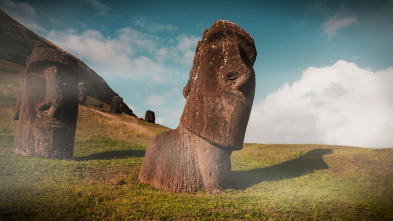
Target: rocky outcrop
[(47, 106), (150, 116), (17, 43), (220, 92)]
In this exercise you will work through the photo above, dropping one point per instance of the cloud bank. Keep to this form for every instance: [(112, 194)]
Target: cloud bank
[(341, 104), (128, 54)]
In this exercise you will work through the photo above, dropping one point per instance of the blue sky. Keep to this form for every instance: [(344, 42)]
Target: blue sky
[(144, 50)]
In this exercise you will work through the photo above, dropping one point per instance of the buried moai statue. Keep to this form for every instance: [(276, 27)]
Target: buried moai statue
[(220, 92), (47, 106), (150, 117), (116, 105)]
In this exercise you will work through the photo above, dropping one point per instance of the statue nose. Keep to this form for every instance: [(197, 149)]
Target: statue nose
[(51, 108), (239, 76)]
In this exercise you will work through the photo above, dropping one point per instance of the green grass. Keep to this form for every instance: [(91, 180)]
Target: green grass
[(279, 182)]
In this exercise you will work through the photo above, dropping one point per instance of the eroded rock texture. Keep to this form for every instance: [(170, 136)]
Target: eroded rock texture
[(116, 105), (150, 116), (220, 92), (47, 107)]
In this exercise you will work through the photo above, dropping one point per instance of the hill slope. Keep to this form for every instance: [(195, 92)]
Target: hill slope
[(291, 182), (17, 42)]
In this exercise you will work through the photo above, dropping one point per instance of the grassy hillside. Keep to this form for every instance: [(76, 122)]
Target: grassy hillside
[(291, 182)]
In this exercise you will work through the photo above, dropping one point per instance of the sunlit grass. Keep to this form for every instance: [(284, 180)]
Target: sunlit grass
[(287, 182)]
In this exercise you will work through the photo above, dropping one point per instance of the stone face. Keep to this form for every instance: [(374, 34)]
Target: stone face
[(48, 105), (116, 105), (150, 117), (220, 92)]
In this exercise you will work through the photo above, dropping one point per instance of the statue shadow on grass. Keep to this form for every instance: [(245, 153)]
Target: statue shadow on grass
[(116, 154), (305, 164)]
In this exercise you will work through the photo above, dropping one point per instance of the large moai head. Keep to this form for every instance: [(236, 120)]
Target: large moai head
[(48, 106), (220, 90)]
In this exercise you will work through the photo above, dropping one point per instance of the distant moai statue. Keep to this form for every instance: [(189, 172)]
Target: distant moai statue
[(220, 92), (82, 93), (101, 105), (150, 116), (47, 106), (116, 105)]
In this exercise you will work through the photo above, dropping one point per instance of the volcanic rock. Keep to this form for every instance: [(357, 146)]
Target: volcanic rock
[(220, 92), (150, 116), (116, 105)]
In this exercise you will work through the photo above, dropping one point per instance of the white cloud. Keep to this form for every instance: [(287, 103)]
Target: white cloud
[(114, 56), (131, 106), (160, 120), (128, 54), (24, 13), (187, 45), (339, 21), (156, 100), (99, 7), (340, 104)]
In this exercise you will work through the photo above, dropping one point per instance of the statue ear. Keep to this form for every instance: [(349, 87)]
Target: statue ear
[(186, 89)]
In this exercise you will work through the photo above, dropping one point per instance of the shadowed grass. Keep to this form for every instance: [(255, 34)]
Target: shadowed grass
[(269, 182)]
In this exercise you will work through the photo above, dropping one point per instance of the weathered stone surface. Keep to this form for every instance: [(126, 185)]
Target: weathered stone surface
[(150, 116), (220, 92), (127, 110), (116, 105), (82, 93), (48, 104)]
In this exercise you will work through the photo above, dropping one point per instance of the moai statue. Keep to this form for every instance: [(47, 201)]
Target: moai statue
[(220, 92), (116, 105), (82, 90), (47, 107), (150, 117)]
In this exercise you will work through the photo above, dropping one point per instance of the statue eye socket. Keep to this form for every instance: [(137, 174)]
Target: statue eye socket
[(230, 78), (45, 107)]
